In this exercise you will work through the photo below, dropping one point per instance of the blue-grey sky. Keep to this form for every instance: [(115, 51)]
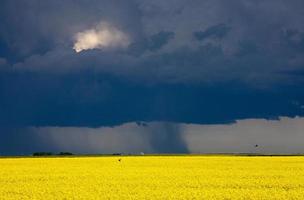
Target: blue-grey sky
[(105, 63)]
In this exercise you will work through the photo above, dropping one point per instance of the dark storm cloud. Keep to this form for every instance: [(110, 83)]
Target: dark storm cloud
[(21, 141), (92, 99), (151, 43), (216, 32), (43, 41), (209, 61), (3, 64), (32, 27), (160, 39)]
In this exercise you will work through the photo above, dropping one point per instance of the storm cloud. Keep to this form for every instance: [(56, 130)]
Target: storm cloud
[(245, 136), (234, 43), (100, 63)]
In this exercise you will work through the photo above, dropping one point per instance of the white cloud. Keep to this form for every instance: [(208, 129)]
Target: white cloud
[(103, 36)]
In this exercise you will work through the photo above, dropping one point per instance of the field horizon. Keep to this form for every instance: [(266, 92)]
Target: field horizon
[(152, 154), (153, 177)]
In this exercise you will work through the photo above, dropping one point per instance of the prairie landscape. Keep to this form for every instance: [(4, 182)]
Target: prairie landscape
[(153, 177), (152, 99)]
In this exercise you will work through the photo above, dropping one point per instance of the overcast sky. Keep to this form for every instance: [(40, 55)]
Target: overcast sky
[(93, 65)]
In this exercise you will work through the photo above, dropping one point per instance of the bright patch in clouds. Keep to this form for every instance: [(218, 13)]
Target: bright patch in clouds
[(103, 36)]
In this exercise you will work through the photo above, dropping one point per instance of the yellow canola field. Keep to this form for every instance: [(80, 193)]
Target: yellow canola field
[(153, 177)]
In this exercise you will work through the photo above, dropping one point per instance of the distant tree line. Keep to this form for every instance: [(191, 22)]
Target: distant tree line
[(52, 154)]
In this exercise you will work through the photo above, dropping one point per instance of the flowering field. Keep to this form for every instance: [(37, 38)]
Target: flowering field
[(153, 177)]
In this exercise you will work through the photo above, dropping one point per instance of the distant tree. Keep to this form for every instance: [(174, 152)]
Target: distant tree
[(65, 154), (42, 154)]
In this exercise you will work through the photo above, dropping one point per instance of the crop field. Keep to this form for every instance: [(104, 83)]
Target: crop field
[(153, 177)]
